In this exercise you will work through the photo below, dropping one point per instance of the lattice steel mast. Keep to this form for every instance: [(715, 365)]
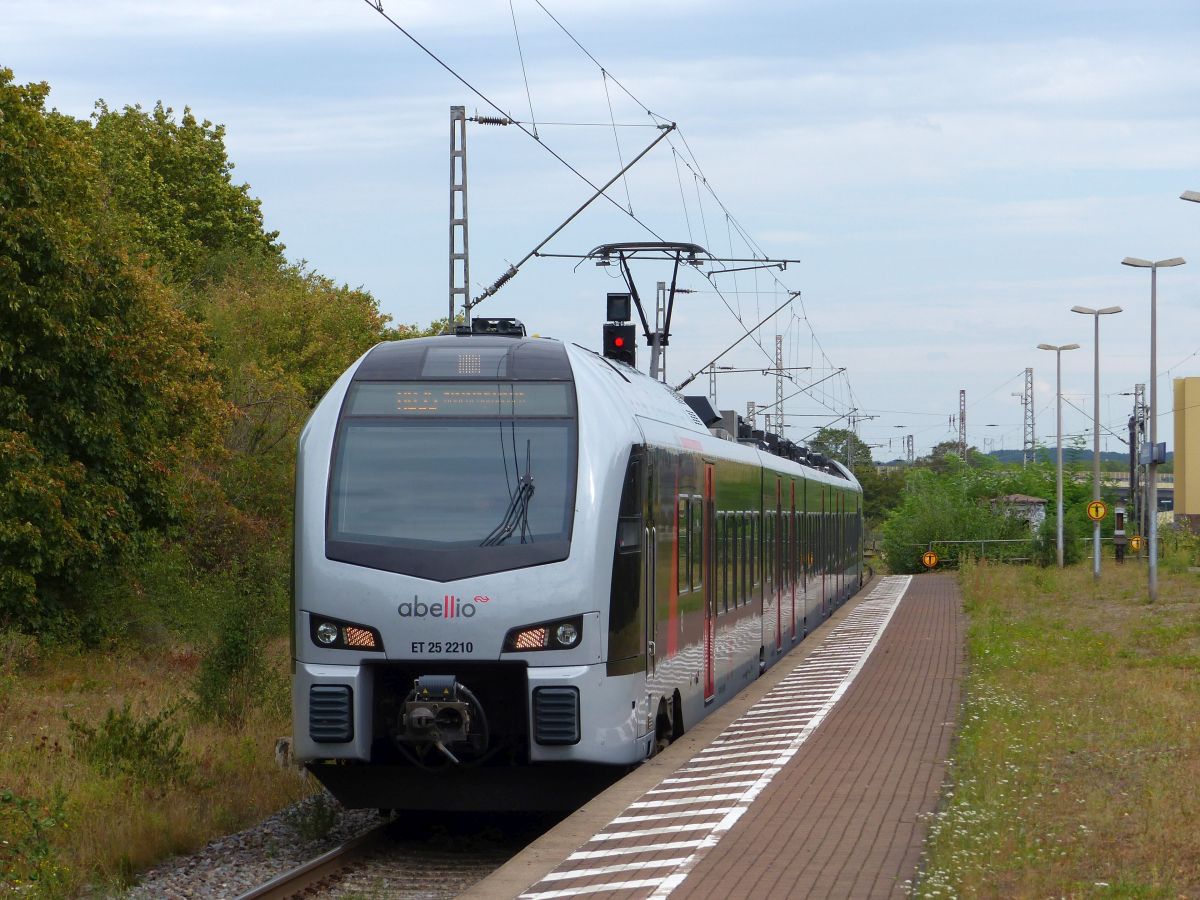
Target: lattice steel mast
[(1029, 442), (962, 425), (459, 263)]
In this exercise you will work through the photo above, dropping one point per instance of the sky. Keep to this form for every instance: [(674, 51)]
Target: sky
[(952, 177)]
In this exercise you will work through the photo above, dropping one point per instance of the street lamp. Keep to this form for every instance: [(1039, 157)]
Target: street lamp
[(1194, 196), (1096, 314), (1058, 443), (1152, 478)]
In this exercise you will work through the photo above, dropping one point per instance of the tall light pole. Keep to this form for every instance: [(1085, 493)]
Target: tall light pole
[(1152, 477), (1096, 314), (1194, 196), (1058, 444)]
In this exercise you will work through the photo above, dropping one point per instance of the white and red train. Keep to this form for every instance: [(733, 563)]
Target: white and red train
[(520, 566)]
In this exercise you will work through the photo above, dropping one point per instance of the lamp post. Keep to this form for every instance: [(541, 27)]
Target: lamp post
[(1096, 314), (1152, 477), (1058, 445), (1194, 196)]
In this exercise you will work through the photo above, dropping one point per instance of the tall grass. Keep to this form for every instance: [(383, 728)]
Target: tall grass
[(108, 766), (1077, 766)]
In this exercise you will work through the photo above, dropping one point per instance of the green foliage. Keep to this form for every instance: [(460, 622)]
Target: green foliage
[(955, 503), (158, 358), (941, 508), (233, 678), (104, 389), (29, 861), (147, 748), (1180, 548), (881, 492), (173, 180), (843, 445), (1045, 544), (313, 818)]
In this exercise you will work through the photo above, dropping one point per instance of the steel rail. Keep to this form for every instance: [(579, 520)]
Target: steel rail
[(329, 864)]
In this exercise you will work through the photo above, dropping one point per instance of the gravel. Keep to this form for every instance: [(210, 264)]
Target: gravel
[(232, 865)]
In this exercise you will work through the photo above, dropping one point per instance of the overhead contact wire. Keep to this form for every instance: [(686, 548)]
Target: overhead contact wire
[(378, 7), (524, 74)]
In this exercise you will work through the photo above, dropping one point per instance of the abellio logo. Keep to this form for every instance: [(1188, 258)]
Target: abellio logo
[(451, 607)]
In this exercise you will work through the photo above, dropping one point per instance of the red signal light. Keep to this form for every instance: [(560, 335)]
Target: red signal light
[(620, 342)]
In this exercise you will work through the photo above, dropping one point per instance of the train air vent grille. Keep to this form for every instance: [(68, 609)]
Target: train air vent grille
[(556, 715), (330, 714)]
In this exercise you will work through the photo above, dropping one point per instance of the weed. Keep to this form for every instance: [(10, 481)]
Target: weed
[(1075, 767), (232, 678), (29, 862), (313, 818), (148, 748), (18, 651)]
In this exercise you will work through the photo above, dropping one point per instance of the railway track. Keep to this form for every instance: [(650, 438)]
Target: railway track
[(421, 857)]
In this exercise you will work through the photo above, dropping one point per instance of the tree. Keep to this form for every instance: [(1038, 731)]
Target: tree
[(104, 388), (174, 182), (882, 492), (841, 444)]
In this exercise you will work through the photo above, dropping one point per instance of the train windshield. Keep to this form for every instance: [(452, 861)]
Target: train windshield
[(484, 471)]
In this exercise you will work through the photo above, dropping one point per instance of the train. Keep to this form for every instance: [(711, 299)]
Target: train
[(521, 567)]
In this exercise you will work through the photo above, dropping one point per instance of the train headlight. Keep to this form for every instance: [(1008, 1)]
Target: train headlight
[(332, 634), (561, 634)]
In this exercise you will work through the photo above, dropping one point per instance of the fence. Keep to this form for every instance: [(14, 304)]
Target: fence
[(1018, 550)]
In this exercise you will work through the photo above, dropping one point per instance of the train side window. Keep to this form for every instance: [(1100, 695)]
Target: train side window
[(735, 559), (720, 586), (696, 511), (682, 550), (768, 547), (752, 550), (747, 579), (727, 569)]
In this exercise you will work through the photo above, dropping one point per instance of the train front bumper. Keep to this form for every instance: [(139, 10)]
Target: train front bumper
[(555, 713)]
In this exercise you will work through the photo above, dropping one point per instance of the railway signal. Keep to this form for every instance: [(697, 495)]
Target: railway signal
[(620, 343)]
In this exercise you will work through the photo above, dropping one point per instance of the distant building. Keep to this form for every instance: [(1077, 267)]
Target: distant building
[(1022, 506), (1187, 451)]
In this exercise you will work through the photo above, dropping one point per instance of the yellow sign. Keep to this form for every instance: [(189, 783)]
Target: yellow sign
[(1097, 510), (1135, 543), (930, 559)]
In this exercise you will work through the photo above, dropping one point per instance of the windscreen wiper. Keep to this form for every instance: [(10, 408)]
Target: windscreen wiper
[(517, 514)]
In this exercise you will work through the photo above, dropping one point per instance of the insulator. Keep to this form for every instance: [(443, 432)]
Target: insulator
[(492, 120)]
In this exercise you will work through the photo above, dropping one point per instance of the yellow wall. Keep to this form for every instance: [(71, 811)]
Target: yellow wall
[(1187, 446)]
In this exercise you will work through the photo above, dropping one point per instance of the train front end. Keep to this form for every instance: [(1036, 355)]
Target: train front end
[(449, 629)]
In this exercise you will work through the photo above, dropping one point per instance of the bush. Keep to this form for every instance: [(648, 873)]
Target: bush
[(28, 859), (313, 818), (148, 748), (233, 677), (1045, 542)]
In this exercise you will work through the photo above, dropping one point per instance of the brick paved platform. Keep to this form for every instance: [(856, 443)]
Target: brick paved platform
[(814, 785)]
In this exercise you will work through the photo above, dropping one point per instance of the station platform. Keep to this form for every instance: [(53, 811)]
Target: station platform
[(812, 783)]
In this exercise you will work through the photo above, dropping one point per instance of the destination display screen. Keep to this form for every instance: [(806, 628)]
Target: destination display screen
[(423, 399)]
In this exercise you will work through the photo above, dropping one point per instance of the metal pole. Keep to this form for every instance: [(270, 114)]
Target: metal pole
[(1152, 480), (1058, 458), (1096, 453)]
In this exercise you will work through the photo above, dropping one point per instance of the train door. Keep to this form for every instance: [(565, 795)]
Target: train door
[(710, 582)]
